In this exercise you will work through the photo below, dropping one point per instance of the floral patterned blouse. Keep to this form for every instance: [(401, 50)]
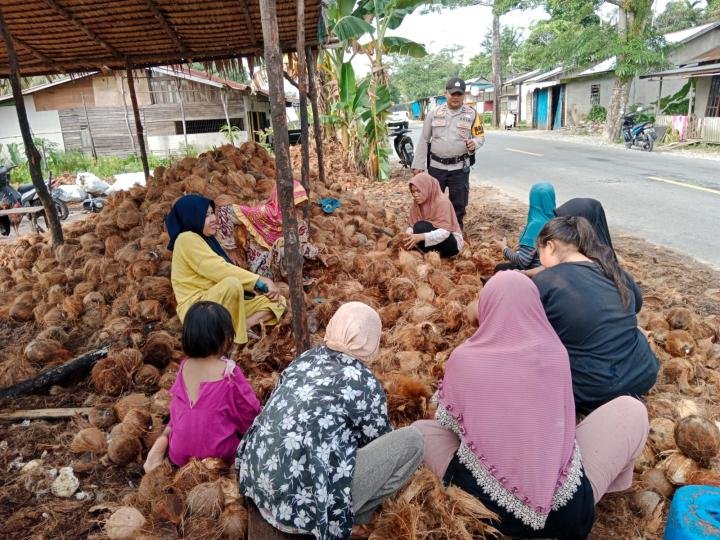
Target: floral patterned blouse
[(297, 460)]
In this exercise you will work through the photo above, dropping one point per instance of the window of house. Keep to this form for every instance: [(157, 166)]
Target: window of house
[(713, 104), (208, 126), (594, 94)]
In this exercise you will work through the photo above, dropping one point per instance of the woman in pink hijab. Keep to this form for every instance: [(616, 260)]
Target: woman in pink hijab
[(505, 424)]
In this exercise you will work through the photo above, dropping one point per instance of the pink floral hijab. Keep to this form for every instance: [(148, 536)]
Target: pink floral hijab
[(507, 394)]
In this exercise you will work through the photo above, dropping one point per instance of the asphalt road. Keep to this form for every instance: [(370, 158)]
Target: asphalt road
[(669, 200)]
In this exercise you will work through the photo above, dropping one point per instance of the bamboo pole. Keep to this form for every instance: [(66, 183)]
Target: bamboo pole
[(273, 61), (182, 112), (317, 128), (87, 119), (33, 156), (121, 87), (138, 124)]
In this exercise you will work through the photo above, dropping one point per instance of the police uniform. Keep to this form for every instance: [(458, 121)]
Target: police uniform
[(443, 136)]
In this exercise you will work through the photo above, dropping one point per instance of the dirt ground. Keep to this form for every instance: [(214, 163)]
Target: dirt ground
[(29, 511)]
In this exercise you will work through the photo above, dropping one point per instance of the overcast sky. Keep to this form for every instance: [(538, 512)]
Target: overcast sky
[(467, 26)]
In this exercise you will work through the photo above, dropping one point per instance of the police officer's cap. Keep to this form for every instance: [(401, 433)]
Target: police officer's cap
[(455, 85)]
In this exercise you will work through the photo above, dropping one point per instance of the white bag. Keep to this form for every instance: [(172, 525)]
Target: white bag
[(125, 181), (70, 193)]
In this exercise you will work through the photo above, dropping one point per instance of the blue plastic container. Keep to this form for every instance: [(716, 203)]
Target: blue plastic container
[(694, 514)]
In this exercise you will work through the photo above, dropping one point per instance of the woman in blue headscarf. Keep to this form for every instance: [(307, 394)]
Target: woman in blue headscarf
[(542, 210), (201, 270)]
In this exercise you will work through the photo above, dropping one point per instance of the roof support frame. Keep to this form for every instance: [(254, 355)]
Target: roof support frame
[(169, 30)]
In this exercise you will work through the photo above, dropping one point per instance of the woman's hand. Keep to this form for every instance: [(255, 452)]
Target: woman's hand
[(411, 240), (273, 293), (156, 455), (501, 244)]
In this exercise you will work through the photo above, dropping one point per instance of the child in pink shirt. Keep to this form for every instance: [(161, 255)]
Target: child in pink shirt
[(212, 403)]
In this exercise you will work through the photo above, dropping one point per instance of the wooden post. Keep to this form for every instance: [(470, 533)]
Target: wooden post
[(33, 156), (317, 128), (273, 61), (182, 112), (121, 87), (224, 99), (87, 119), (138, 124), (303, 90)]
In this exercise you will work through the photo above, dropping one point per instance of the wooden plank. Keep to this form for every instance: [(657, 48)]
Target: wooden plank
[(35, 414), (21, 210), (303, 90)]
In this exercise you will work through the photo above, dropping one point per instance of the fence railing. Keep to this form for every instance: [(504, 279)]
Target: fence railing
[(706, 129)]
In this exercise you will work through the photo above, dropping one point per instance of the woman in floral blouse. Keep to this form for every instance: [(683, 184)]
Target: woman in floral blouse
[(322, 454)]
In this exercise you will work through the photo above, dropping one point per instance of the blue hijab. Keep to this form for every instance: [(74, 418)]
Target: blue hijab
[(188, 214), (542, 210)]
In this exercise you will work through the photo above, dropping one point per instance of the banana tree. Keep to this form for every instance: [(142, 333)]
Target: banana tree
[(359, 111)]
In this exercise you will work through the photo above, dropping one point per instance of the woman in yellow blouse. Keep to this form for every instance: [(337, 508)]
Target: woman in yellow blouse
[(201, 270)]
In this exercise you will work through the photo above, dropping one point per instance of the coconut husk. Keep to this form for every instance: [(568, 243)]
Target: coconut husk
[(407, 398), (101, 417), (206, 500), (43, 350), (159, 348), (137, 423), (698, 438), (680, 318), (160, 403), (148, 376), (234, 521), (661, 434), (679, 468), (192, 474), (22, 308), (90, 440), (679, 343), (109, 377), (401, 289), (125, 523), (123, 449), (132, 401)]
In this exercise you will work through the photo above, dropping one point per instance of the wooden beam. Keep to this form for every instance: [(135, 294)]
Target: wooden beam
[(169, 30), (284, 176), (35, 52), (33, 156), (317, 128), (289, 79), (79, 24), (303, 91), (248, 22), (38, 414), (138, 124)]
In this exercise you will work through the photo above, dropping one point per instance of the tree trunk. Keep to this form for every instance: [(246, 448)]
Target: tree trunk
[(317, 128), (303, 91), (616, 107), (497, 69), (273, 62), (33, 156)]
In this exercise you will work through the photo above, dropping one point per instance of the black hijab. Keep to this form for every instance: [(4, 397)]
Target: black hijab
[(591, 210), (188, 214)]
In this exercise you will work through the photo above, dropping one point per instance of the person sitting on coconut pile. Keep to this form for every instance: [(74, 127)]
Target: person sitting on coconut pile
[(592, 303), (201, 270), (322, 454), (541, 210), (265, 245), (433, 224), (212, 403), (505, 432)]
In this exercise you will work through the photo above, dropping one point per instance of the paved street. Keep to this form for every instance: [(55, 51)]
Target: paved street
[(669, 200)]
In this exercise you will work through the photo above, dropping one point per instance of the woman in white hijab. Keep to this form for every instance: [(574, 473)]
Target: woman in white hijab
[(322, 454)]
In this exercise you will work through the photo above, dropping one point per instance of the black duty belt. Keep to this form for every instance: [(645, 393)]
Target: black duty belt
[(449, 160)]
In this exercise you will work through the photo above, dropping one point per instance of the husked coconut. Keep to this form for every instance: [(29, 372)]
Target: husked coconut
[(680, 318), (124, 524), (132, 401), (190, 475), (654, 480), (645, 502), (168, 505), (661, 434), (137, 422), (102, 417), (698, 438), (89, 440), (679, 343), (234, 521), (206, 499), (123, 449), (678, 468)]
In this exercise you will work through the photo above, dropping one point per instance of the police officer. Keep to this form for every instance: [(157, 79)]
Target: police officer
[(446, 148)]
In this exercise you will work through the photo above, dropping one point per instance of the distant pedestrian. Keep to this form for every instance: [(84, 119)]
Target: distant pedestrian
[(446, 148)]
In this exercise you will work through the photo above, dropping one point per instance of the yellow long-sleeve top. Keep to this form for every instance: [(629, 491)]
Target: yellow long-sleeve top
[(196, 268)]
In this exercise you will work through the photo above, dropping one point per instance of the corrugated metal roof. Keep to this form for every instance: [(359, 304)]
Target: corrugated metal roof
[(685, 72)]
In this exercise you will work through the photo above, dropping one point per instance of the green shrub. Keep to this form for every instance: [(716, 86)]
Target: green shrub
[(597, 114), (487, 118)]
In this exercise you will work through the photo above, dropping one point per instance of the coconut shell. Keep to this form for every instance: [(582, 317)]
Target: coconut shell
[(124, 449), (679, 318), (234, 521), (124, 524), (679, 343), (661, 434), (101, 417), (678, 468), (89, 440), (41, 351), (698, 438), (654, 480), (132, 401), (169, 505), (192, 474), (206, 500), (137, 422)]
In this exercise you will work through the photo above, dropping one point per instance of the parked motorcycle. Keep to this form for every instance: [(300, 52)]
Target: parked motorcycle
[(94, 205), (635, 133), (29, 197), (404, 147)]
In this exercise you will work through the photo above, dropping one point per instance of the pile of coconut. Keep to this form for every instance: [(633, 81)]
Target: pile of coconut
[(109, 284)]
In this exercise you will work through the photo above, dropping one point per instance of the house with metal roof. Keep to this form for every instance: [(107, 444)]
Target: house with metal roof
[(594, 85)]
